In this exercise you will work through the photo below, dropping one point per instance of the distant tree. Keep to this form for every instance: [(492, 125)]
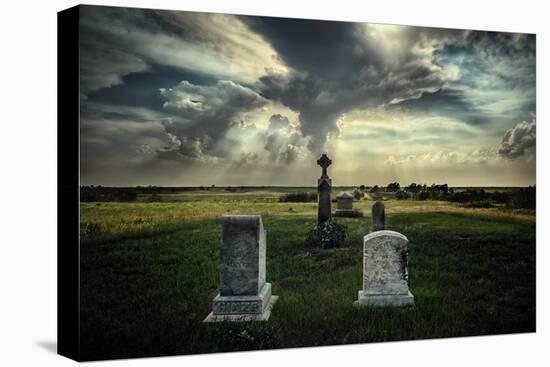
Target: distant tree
[(394, 186), (414, 188)]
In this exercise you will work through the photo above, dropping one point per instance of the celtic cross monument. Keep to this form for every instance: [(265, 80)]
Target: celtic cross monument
[(324, 186)]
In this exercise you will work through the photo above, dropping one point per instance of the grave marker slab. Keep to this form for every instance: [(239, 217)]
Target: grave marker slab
[(385, 273), (344, 202), (378, 217), (244, 293)]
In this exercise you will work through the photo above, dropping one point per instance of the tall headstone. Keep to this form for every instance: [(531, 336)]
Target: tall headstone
[(385, 274), (344, 202), (244, 294), (324, 187), (378, 217)]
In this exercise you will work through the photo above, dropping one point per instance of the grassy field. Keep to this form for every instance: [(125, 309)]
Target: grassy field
[(149, 272)]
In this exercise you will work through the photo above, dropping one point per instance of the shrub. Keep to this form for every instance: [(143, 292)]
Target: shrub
[(296, 197), (100, 193), (328, 234)]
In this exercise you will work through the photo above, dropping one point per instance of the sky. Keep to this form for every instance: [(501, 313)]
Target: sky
[(178, 98)]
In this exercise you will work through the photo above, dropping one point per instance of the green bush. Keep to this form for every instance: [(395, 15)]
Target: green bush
[(297, 197), (328, 234)]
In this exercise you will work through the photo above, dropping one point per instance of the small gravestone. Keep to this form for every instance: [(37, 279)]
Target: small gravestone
[(244, 294), (344, 202), (378, 217), (385, 274), (324, 187)]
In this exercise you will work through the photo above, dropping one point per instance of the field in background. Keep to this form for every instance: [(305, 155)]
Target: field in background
[(149, 271)]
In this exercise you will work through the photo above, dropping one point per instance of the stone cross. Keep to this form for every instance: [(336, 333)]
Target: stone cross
[(244, 294), (378, 217), (385, 273), (324, 186), (324, 162)]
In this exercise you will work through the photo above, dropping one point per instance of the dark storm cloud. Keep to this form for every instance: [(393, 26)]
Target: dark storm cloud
[(340, 66), (336, 67), (494, 68), (206, 114), (230, 67), (108, 36), (116, 42), (447, 102), (141, 89), (519, 141)]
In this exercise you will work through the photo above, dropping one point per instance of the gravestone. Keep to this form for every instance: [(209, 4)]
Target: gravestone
[(244, 294), (385, 274), (324, 187), (378, 217), (344, 202)]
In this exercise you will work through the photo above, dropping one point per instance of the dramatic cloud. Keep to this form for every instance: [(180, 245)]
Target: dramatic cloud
[(206, 113), (337, 67), (119, 41), (519, 141), (174, 97), (282, 141)]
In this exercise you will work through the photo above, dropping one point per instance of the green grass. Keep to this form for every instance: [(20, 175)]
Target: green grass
[(149, 275)]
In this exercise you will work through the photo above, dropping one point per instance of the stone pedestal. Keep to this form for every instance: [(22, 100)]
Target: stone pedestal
[(244, 294), (385, 274)]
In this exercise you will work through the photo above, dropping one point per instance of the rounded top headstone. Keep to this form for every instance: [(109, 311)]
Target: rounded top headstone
[(386, 233)]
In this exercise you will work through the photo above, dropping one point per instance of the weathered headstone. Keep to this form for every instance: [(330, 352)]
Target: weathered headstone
[(378, 217), (244, 294), (324, 187), (344, 202), (385, 274)]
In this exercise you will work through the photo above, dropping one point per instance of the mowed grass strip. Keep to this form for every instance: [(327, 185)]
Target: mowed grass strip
[(147, 284)]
